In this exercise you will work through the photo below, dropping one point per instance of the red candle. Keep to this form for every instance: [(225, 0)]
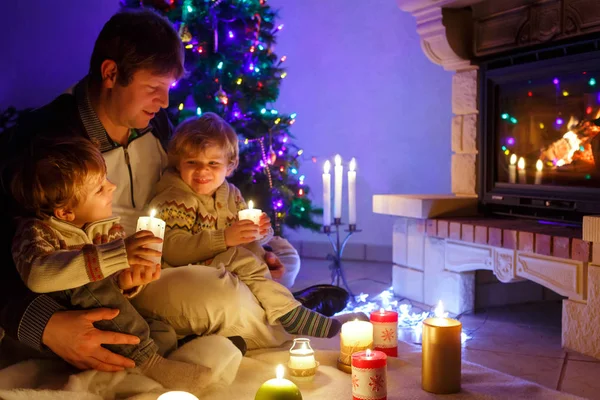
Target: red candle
[(369, 375), (385, 331)]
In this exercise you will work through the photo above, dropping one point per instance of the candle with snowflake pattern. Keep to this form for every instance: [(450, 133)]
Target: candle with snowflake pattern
[(385, 331), (369, 375)]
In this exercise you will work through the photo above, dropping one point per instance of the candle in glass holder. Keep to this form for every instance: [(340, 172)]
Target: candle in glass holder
[(354, 336), (521, 172), (302, 364), (539, 166), (512, 169), (369, 375), (157, 227), (278, 388), (251, 213), (385, 331), (441, 370)]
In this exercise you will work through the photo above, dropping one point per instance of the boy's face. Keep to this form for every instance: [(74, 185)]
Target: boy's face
[(134, 105), (206, 171), (95, 203)]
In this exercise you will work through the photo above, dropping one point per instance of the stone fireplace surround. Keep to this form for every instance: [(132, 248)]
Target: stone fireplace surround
[(437, 246)]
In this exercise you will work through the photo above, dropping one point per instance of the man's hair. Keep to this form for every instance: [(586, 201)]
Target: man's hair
[(53, 173), (138, 40), (196, 134)]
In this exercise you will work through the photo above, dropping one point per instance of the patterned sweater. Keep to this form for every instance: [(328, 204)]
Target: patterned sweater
[(195, 230), (53, 255)]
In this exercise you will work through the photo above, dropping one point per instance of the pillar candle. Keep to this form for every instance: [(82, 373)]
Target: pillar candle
[(354, 336), (278, 388), (339, 183), (385, 331), (251, 213), (369, 375), (157, 227), (512, 169), (441, 352), (521, 168), (352, 192), (326, 194), (539, 166)]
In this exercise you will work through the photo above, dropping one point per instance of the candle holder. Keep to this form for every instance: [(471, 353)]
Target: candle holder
[(337, 268), (302, 365)]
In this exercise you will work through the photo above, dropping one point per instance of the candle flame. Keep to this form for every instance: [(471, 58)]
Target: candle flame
[(521, 163), (152, 213), (326, 167), (338, 160), (250, 205), (279, 371), (368, 353), (439, 310), (513, 159), (539, 165), (353, 164)]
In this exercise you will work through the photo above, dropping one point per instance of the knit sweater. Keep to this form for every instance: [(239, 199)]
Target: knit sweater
[(195, 224), (52, 255)]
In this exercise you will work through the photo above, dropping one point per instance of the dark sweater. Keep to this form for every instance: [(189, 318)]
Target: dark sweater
[(24, 314)]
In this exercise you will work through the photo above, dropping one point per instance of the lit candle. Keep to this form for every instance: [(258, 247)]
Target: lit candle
[(539, 166), (512, 169), (354, 336), (441, 354), (521, 168), (157, 227), (352, 192), (369, 375), (177, 395), (385, 331), (278, 388), (302, 364), (326, 194), (339, 183), (251, 213)]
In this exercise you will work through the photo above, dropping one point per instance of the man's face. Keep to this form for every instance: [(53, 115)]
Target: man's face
[(134, 105)]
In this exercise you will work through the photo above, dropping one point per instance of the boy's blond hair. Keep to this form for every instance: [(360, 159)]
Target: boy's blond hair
[(53, 174), (194, 135)]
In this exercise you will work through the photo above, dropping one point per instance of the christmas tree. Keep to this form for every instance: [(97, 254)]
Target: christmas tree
[(234, 72)]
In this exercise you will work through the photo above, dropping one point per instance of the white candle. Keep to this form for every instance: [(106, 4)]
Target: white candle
[(352, 192), (357, 333), (177, 395), (326, 194), (302, 359), (157, 227), (512, 169), (521, 168), (251, 213), (339, 183), (539, 165)]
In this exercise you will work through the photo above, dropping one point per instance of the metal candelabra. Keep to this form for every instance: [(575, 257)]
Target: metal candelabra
[(336, 266)]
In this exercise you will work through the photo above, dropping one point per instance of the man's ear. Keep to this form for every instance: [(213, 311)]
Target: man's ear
[(64, 214), (108, 71)]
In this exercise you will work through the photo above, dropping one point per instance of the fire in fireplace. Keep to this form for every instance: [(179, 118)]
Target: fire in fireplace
[(539, 133)]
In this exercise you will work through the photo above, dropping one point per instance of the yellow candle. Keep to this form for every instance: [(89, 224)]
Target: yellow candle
[(441, 354), (521, 172), (539, 166), (512, 169), (278, 388)]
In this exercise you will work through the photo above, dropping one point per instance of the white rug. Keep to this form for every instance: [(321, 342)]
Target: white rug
[(31, 379)]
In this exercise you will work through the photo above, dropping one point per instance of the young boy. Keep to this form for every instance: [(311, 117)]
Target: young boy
[(200, 209), (72, 248)]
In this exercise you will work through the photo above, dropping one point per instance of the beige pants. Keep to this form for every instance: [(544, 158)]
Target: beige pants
[(205, 300)]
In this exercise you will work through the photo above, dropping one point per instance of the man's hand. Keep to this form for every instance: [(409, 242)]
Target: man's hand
[(275, 266), (72, 336), (138, 275), (241, 232), (264, 224), (136, 250)]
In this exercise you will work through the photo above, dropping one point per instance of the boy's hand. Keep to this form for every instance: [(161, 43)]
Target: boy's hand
[(275, 266), (136, 252), (241, 232), (138, 275), (264, 224)]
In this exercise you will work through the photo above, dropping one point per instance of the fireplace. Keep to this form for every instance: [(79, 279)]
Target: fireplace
[(539, 132)]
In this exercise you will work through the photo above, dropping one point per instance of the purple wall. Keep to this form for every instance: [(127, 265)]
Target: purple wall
[(357, 79)]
